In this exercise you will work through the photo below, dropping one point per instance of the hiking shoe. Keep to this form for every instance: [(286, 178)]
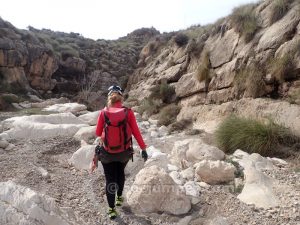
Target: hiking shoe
[(112, 214), (119, 201)]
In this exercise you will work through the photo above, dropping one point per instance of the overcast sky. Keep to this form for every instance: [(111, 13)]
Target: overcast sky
[(111, 19)]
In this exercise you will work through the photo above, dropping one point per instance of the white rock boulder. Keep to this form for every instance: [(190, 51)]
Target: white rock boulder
[(155, 191), (4, 143), (188, 173), (199, 151), (90, 118), (21, 205), (245, 160), (83, 157), (176, 177), (214, 172), (86, 133), (42, 126), (258, 189), (159, 159), (187, 152), (66, 107)]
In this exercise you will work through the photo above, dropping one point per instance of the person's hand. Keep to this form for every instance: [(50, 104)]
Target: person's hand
[(144, 155), (94, 164)]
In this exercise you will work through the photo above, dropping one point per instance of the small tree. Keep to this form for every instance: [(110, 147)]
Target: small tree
[(88, 83)]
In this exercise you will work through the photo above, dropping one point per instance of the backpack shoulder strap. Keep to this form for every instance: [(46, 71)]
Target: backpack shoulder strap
[(106, 119)]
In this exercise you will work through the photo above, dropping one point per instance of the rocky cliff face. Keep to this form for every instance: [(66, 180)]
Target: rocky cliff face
[(227, 61), (48, 63), (230, 60)]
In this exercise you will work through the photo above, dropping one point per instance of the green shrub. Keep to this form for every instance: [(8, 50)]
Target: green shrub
[(168, 114), (279, 9), (203, 71), (163, 91), (245, 21), (239, 170), (282, 68), (67, 51), (181, 39), (251, 136)]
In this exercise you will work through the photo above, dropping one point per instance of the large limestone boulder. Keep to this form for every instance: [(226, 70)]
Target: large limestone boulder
[(258, 189), (187, 152), (66, 107), (224, 76), (86, 133), (83, 157), (42, 126), (279, 32), (222, 49), (178, 154), (255, 160), (200, 151), (21, 205), (49, 102), (155, 191), (159, 159), (173, 73), (188, 85), (214, 172), (90, 118)]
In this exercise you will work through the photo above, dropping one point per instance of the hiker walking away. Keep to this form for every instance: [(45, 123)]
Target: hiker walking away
[(116, 125)]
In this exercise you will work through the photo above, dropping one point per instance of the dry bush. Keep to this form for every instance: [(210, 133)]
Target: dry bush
[(282, 68), (163, 91), (203, 70), (245, 21), (279, 9), (149, 106), (88, 83), (168, 114), (249, 82), (180, 125)]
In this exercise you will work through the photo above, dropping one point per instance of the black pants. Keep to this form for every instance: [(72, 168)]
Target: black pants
[(115, 180)]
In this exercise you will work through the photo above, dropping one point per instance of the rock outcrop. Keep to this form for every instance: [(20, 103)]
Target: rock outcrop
[(47, 63), (238, 72)]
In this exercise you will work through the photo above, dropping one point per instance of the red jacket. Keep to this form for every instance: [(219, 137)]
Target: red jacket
[(130, 119)]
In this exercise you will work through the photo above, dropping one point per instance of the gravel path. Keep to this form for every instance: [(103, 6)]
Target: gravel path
[(84, 192)]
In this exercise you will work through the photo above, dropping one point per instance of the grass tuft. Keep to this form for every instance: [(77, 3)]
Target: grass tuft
[(252, 136), (203, 71), (245, 21), (279, 9)]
